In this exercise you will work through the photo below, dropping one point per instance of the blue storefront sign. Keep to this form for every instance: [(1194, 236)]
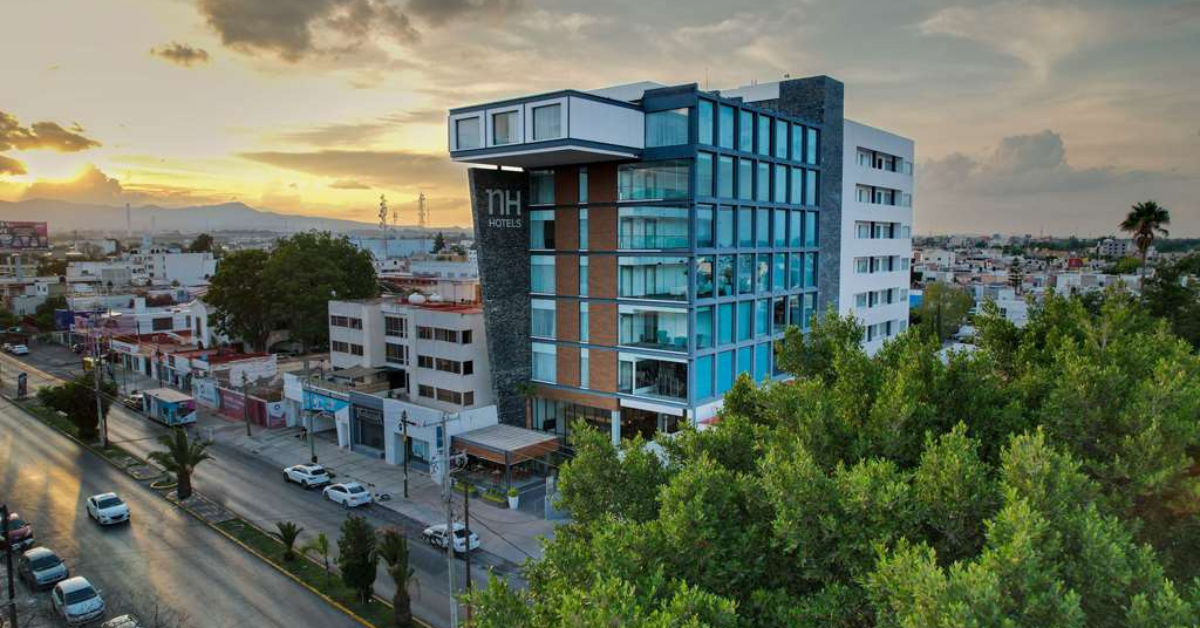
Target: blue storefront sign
[(318, 402)]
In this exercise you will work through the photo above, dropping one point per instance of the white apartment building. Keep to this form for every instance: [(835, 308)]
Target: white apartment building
[(876, 239), (159, 266), (1110, 247), (435, 354)]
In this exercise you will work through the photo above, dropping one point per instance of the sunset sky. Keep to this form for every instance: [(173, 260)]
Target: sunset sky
[(1027, 116)]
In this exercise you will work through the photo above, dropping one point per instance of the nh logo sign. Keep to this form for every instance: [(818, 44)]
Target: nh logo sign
[(503, 208)]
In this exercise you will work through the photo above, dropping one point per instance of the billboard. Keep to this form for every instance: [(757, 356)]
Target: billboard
[(23, 236)]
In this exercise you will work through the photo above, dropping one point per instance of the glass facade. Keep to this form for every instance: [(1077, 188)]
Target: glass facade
[(667, 128), (547, 122), (653, 180), (704, 226), (658, 278), (725, 127), (725, 176), (541, 229), (704, 122), (467, 133), (541, 187), (505, 127), (650, 327), (746, 131), (541, 274), (652, 227)]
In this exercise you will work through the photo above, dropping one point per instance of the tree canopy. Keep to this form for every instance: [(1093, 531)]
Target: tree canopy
[(1045, 479), (202, 244)]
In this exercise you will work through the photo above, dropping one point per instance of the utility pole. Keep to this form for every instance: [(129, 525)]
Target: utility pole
[(96, 367), (404, 424), (245, 404), (12, 592), (467, 523), (305, 401), (449, 497)]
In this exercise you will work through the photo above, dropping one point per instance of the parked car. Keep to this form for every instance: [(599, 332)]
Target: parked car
[(107, 509), (20, 533), (307, 475), (123, 621), (77, 601), (41, 568), (19, 350), (348, 494), (134, 401), (436, 536), (7, 347)]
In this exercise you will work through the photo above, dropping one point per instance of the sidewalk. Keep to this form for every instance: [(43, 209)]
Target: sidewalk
[(510, 534)]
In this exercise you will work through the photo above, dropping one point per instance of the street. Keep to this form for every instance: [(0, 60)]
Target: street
[(254, 489), (163, 554)]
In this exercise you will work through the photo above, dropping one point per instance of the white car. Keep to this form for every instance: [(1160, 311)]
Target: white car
[(19, 350), (77, 601), (107, 509), (349, 494), (307, 475), (123, 621), (436, 535)]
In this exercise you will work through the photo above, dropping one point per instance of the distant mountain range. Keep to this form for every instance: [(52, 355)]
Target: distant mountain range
[(64, 217)]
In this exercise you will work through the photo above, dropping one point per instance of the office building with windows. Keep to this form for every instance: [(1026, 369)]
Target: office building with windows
[(655, 243)]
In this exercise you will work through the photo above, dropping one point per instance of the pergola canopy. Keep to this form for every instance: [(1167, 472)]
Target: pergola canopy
[(505, 444)]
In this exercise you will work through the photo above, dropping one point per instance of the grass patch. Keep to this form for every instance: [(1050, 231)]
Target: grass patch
[(311, 573), (66, 426)]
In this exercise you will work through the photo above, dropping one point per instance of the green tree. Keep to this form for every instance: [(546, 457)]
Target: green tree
[(1145, 222), (606, 481), (202, 244), (308, 269), (1125, 266), (393, 548), (77, 399), (241, 300), (944, 309), (287, 532), (43, 315), (1171, 296), (439, 242), (51, 267), (318, 545), (357, 556), (180, 458)]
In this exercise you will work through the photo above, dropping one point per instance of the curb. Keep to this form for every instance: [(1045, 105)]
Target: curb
[(332, 602)]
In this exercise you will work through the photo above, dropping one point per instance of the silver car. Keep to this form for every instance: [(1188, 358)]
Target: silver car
[(77, 601), (41, 568)]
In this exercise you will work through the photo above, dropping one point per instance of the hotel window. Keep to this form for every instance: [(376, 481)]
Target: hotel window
[(862, 265), (726, 127), (795, 271), (904, 263), (762, 228), (744, 365), (762, 274), (762, 361), (796, 223), (704, 123), (778, 315), (746, 179), (796, 194), (810, 270), (794, 315), (583, 229), (652, 227), (704, 375), (653, 180), (810, 228), (667, 128), (396, 354), (745, 274), (764, 135), (905, 232), (745, 320), (543, 315), (810, 187), (862, 230), (781, 220), (704, 174), (583, 185), (704, 226), (810, 304), (860, 300), (810, 146), (467, 135), (545, 362), (781, 138), (356, 349), (704, 327), (724, 371), (584, 375), (745, 226), (547, 122), (663, 278), (583, 322), (725, 227), (541, 229), (504, 128), (541, 270), (797, 142), (762, 317), (583, 275), (395, 326), (746, 131), (653, 327), (777, 275), (725, 275), (764, 182), (725, 323), (725, 176), (704, 276), (541, 187), (781, 184)]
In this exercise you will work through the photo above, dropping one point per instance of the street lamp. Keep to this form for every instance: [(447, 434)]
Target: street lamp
[(404, 423)]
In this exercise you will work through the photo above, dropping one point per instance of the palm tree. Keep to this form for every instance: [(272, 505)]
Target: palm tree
[(181, 458), (319, 545), (1144, 222), (393, 547), (528, 390), (287, 534)]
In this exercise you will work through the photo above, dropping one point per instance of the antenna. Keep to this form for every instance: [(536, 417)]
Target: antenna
[(422, 215), (383, 213)]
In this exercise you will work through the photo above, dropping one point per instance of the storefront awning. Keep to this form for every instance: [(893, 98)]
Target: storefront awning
[(505, 444)]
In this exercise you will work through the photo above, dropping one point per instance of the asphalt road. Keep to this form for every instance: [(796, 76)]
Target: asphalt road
[(163, 556), (254, 489)]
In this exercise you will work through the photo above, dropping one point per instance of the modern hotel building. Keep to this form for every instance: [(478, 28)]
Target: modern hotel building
[(656, 242)]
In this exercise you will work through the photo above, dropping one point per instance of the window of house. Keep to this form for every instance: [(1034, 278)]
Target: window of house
[(424, 333), (704, 377), (425, 391), (667, 128), (504, 128), (467, 135), (796, 225), (425, 361), (396, 353), (547, 122), (395, 326), (465, 337), (356, 349), (795, 270)]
